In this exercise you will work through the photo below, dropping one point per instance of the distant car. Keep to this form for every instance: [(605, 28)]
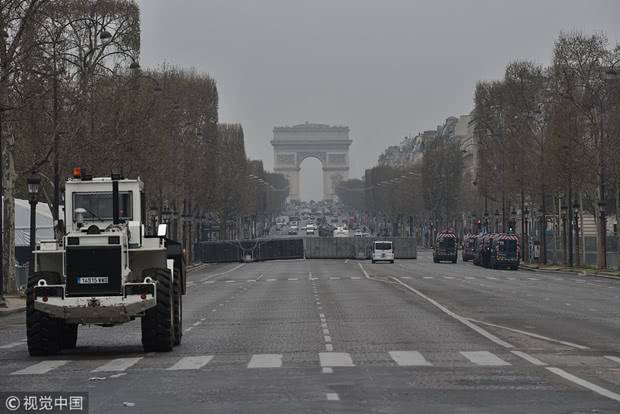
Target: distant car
[(341, 232), (293, 230), (383, 251), (310, 229)]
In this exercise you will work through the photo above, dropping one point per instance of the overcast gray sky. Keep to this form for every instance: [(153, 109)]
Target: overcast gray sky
[(385, 68)]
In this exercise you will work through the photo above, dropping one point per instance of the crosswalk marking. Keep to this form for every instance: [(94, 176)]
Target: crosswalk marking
[(40, 368), (119, 364), (409, 358), (195, 362), (265, 361), (12, 345), (484, 358), (335, 359)]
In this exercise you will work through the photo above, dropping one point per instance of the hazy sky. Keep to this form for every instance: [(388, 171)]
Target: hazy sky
[(385, 68)]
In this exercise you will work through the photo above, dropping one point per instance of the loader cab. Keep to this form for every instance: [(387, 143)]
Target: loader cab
[(91, 207)]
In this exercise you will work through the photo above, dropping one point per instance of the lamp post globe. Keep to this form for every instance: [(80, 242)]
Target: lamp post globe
[(34, 181)]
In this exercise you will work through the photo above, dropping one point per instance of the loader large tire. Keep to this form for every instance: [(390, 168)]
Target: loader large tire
[(43, 332), (178, 309), (158, 321), (69, 336)]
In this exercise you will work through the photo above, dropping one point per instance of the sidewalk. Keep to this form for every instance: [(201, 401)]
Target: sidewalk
[(579, 271), (15, 304)]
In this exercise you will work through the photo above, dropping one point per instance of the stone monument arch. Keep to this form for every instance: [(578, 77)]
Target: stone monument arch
[(328, 144)]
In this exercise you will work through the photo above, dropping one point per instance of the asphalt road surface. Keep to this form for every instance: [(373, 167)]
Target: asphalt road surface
[(347, 336)]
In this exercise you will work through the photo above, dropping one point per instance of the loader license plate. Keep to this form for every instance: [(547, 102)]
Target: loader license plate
[(92, 280)]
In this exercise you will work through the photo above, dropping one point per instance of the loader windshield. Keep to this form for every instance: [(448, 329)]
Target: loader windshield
[(98, 206)]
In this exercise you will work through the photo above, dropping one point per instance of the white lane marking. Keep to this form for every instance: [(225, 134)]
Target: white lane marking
[(335, 359), (355, 277), (203, 319), (191, 283), (532, 278), (11, 345), (329, 347), (491, 278), (459, 318), (119, 364), (409, 358), (230, 281), (321, 315), (271, 280), (332, 396), (613, 358), (196, 323), (325, 331), (586, 384), (327, 370), (346, 261), (448, 277), (195, 362), (292, 278), (405, 277), (265, 361), (327, 338), (120, 374), (323, 325), (484, 358), (222, 273), (260, 277), (364, 271), (530, 358), (189, 329), (335, 277), (208, 282), (309, 275), (40, 368), (429, 277), (250, 281)]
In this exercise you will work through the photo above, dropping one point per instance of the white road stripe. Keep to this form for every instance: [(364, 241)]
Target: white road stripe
[(355, 277), (119, 364), (325, 331), (230, 281), (329, 347), (491, 278), (429, 277), (11, 345), (265, 361), (260, 277), (533, 278), (332, 396), (530, 358), (586, 384), (409, 358), (335, 277), (208, 282), (195, 362), (40, 368), (271, 280), (323, 325), (223, 273), (327, 370), (459, 318), (448, 277), (335, 359), (327, 338), (405, 277), (613, 358), (484, 358), (292, 278)]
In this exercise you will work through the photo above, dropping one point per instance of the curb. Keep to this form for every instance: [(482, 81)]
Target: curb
[(8, 312), (568, 272)]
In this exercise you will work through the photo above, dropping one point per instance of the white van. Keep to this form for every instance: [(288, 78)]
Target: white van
[(383, 251)]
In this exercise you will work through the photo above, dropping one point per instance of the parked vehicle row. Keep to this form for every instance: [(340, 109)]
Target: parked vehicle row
[(496, 250)]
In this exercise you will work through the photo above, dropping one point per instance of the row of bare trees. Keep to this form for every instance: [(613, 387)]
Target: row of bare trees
[(73, 94), (542, 136), (551, 134)]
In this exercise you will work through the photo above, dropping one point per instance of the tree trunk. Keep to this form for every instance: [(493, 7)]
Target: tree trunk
[(618, 223), (9, 177)]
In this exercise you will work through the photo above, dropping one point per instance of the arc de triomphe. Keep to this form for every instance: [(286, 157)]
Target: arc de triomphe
[(329, 144)]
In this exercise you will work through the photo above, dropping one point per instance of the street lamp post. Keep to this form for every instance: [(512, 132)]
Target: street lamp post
[(33, 190), (496, 221), (564, 226), (524, 235), (576, 224)]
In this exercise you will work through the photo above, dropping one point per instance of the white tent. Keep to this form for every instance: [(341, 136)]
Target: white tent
[(45, 222)]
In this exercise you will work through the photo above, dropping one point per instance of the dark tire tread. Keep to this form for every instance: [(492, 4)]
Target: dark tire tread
[(43, 332), (157, 323)]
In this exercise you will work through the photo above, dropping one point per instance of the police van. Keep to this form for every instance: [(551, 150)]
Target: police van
[(382, 251)]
